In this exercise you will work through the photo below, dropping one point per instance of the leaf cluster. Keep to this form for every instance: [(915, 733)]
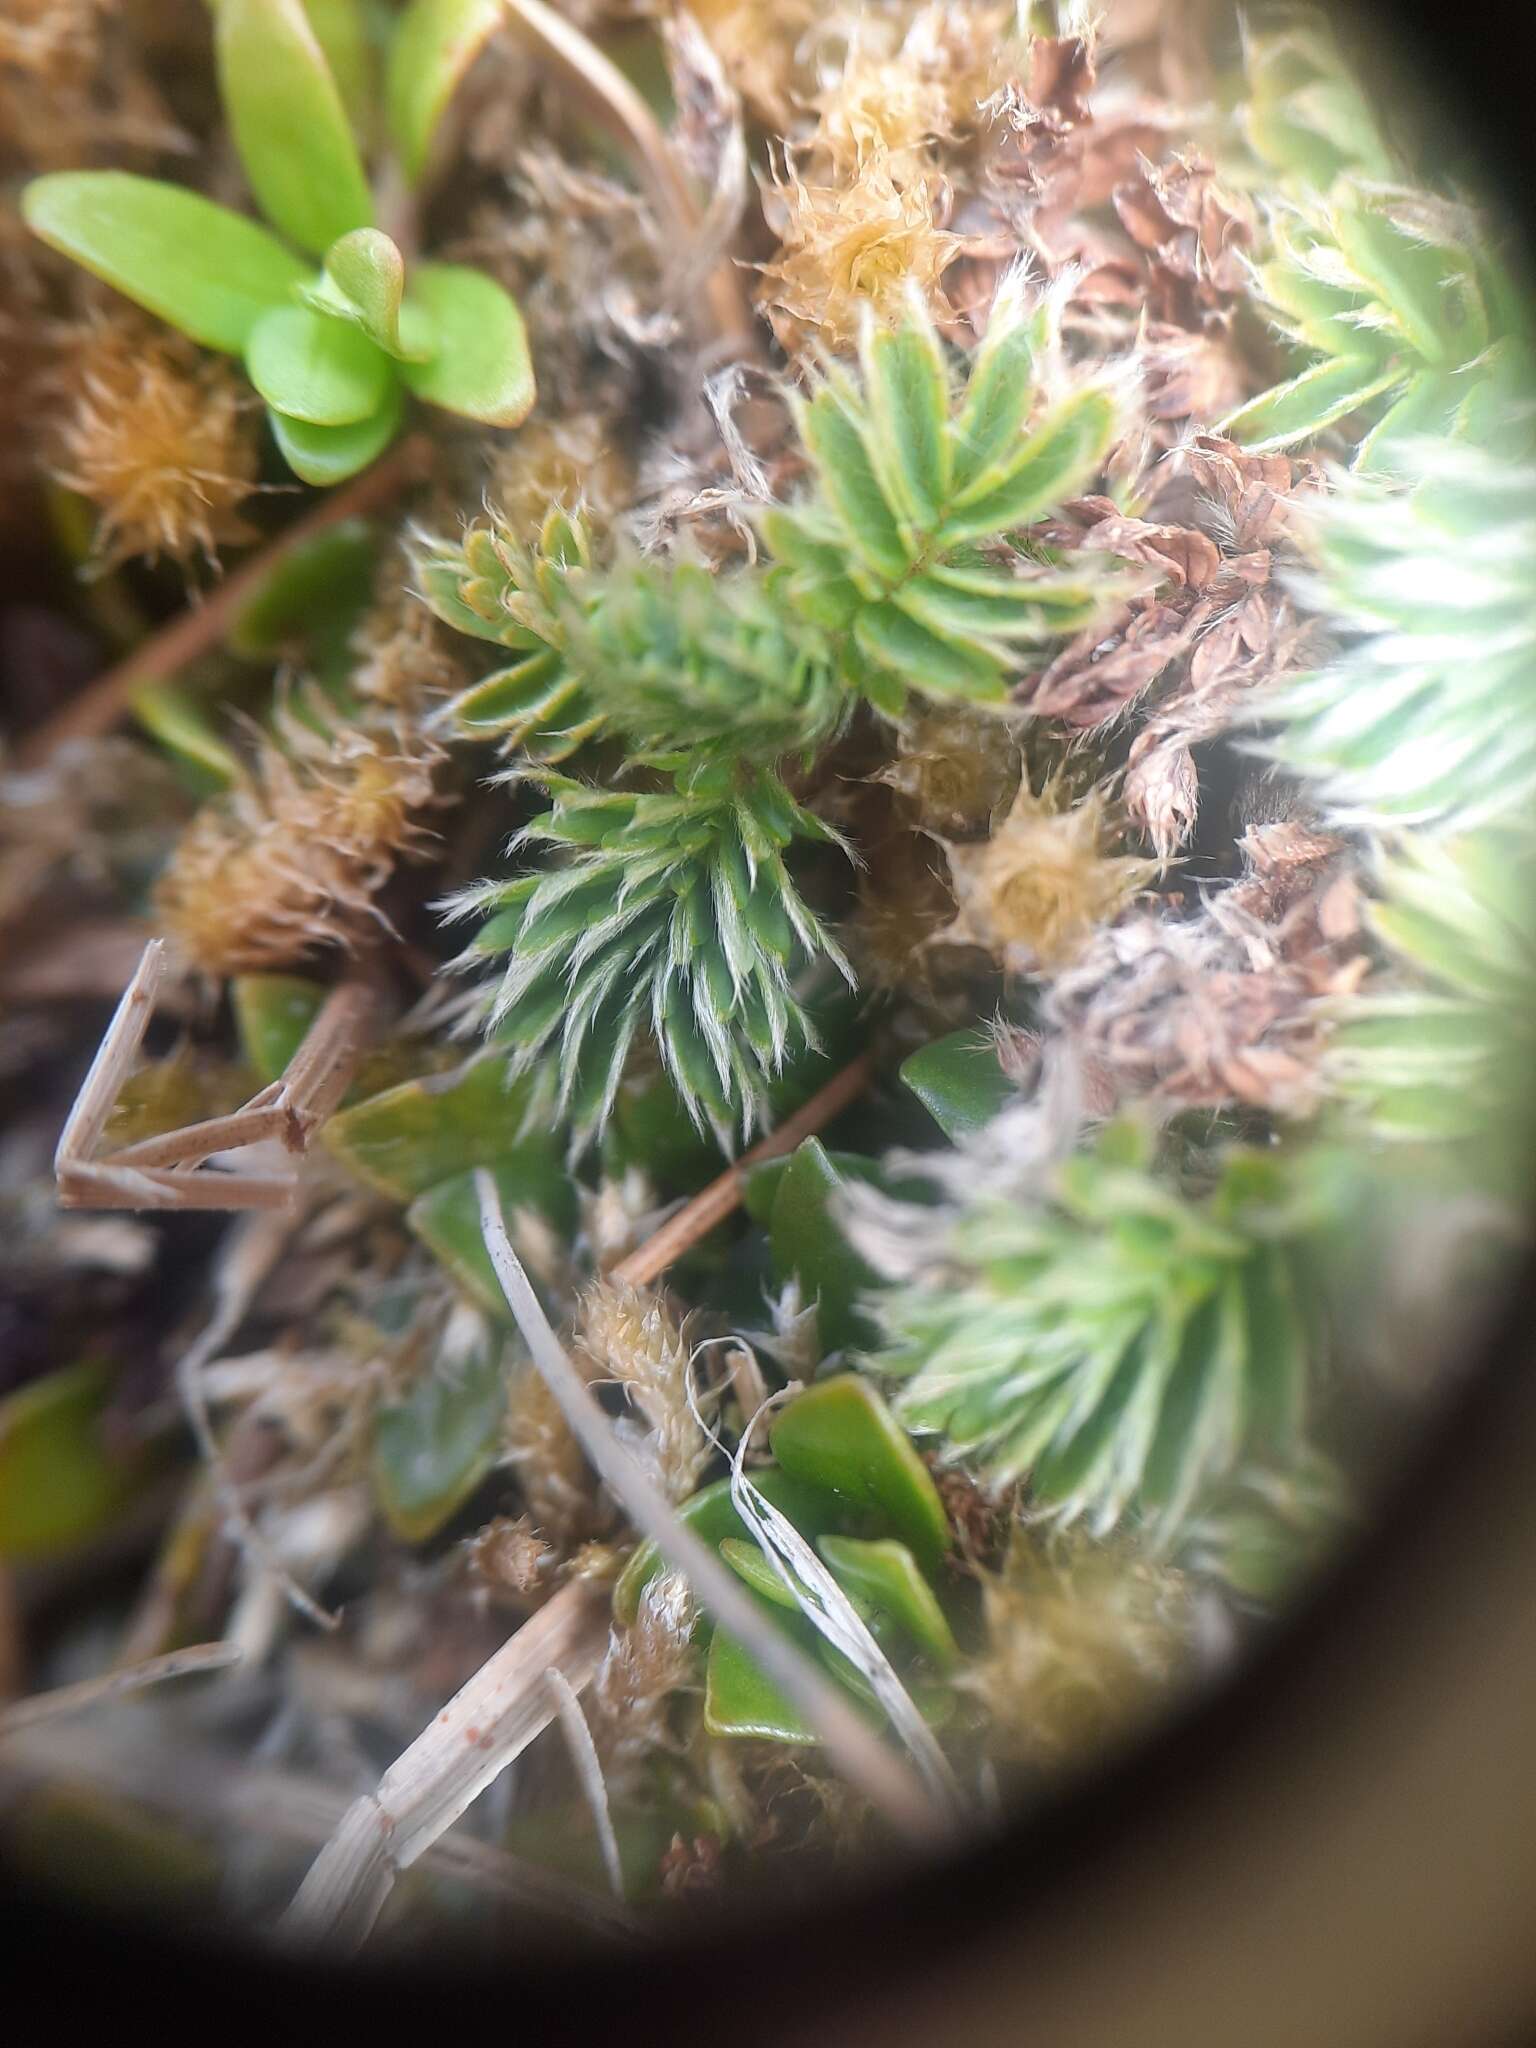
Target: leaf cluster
[(334, 354), (1121, 1342)]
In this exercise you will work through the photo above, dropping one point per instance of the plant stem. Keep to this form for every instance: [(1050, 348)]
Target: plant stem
[(102, 703), (695, 1220)]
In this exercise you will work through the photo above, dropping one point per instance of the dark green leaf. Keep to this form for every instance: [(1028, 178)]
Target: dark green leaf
[(711, 1515), (209, 272), (290, 127), (412, 1137), (959, 1082), (741, 1700), (315, 590), (447, 1220), (808, 1243), (432, 1449), (482, 369), (179, 719), (839, 1435), (884, 1574)]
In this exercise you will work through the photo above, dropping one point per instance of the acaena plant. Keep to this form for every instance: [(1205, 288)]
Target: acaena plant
[(334, 351), (906, 567)]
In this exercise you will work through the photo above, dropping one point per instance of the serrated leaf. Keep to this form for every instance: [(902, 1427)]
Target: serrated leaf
[(434, 45), (840, 1437), (321, 371), (432, 1448), (909, 399), (412, 1137), (1061, 456), (892, 638), (329, 455), (209, 272), (849, 480), (959, 1082), (289, 125), (364, 283), (481, 368), (1301, 409)]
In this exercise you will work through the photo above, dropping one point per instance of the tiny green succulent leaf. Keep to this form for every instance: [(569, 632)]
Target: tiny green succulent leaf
[(883, 1574), (272, 1014), (807, 1242), (711, 1515), (181, 721), (480, 367), (841, 1438), (434, 45), (327, 578), (329, 455), (289, 124), (364, 282), (209, 272), (447, 1221), (317, 370)]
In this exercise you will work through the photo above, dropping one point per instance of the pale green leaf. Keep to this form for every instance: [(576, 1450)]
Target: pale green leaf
[(1301, 409), (342, 34), (1057, 460), (482, 369), (288, 122), (328, 455), (315, 369), (209, 272), (364, 283), (909, 399), (434, 46)]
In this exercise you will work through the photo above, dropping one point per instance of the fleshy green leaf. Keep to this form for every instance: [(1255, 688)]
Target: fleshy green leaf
[(329, 455), (432, 1449), (434, 45), (482, 369), (209, 272), (839, 1435), (58, 1487), (290, 127), (364, 282), (741, 1700), (959, 1082), (711, 1515), (1302, 408), (412, 1137), (318, 370), (885, 1576)]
